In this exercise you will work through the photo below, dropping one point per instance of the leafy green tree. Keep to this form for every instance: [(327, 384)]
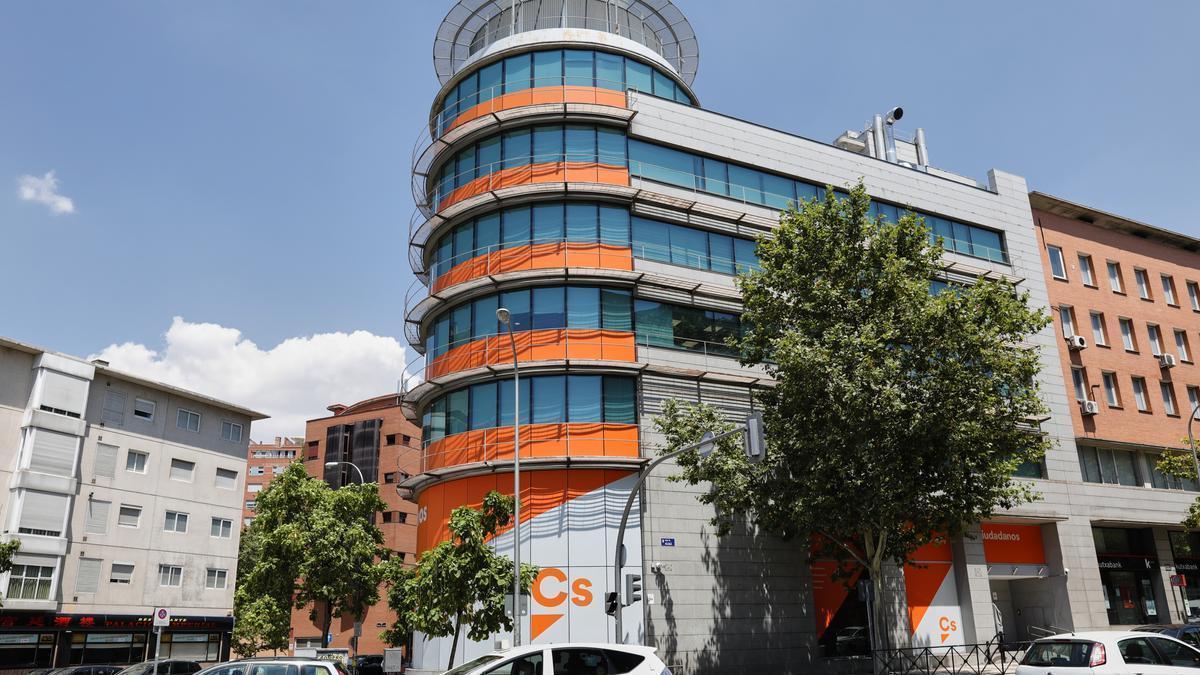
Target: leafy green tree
[(1179, 464), (7, 550), (459, 581), (311, 546), (899, 415)]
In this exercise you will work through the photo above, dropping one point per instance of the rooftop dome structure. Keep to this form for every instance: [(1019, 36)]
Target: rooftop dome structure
[(472, 26)]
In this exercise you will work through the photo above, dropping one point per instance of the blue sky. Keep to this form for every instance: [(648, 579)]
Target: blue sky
[(246, 164)]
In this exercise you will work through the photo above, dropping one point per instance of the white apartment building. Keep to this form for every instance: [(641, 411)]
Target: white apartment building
[(126, 495)]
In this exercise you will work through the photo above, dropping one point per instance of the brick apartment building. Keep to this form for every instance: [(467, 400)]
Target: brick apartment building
[(375, 436), (264, 461), (1125, 297)]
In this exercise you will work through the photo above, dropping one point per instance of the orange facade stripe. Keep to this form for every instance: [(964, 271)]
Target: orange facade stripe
[(537, 440), (537, 345), (548, 172), (537, 257), (541, 96), (541, 492), (921, 584), (1013, 544)]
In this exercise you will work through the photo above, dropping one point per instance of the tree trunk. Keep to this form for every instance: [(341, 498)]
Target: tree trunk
[(454, 644), (327, 639)]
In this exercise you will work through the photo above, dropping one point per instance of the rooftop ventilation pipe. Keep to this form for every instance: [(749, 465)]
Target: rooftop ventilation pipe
[(922, 149), (893, 116), (877, 137)]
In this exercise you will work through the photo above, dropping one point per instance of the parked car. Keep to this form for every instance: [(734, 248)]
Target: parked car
[(1109, 653), (567, 659), (1188, 632), (369, 664), (86, 670), (853, 641), (165, 667), (281, 665)]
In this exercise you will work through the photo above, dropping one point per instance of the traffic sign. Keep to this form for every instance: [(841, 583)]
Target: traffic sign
[(162, 617)]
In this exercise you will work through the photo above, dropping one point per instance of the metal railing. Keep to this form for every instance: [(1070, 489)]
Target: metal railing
[(641, 33), (550, 439), (994, 657)]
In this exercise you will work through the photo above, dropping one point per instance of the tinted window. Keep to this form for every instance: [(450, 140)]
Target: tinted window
[(1138, 650), (1176, 653), (623, 662), (526, 665), (1059, 654), (579, 662)]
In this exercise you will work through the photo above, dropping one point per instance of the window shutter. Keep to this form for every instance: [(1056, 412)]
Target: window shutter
[(121, 573), (53, 453), (114, 408), (181, 470), (88, 580), (129, 516), (97, 517), (106, 460), (44, 511), (226, 479), (63, 392)]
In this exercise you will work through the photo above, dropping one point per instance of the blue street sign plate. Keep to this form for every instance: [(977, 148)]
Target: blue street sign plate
[(667, 541)]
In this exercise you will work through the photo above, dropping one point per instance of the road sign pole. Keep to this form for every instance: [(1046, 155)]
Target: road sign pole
[(157, 647)]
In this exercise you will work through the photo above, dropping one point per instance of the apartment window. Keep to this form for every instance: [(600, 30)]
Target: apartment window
[(1143, 283), (1139, 394), (176, 522), (121, 573), (1085, 270), (170, 575), (254, 488), (406, 440), (1111, 394), (129, 516), (1067, 316), (1168, 285), (97, 517), (387, 516), (389, 477), (251, 504), (1193, 397), (1079, 378), (276, 470), (1162, 481), (257, 470), (1168, 398), (106, 461), (30, 582), (231, 431), (1127, 336), (87, 579), (135, 461), (1194, 295), (1099, 334), (143, 409), (222, 528), (114, 408), (391, 439), (216, 578), (1181, 344), (186, 419), (1057, 266), (1102, 465), (1114, 278), (182, 470), (226, 479), (1155, 339)]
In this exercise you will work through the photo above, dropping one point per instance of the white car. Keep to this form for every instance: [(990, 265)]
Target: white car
[(567, 659), (1110, 653)]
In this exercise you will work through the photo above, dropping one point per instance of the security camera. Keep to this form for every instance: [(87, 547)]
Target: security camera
[(894, 115)]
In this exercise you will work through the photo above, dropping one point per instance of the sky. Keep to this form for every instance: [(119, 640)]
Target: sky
[(217, 193)]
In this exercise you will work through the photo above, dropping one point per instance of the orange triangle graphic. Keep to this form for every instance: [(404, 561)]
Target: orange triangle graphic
[(944, 636), (538, 623)]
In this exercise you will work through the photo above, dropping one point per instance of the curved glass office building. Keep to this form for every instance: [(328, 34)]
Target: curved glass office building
[(569, 175)]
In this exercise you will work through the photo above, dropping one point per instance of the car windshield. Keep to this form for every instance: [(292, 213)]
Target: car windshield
[(472, 665), (1060, 654), (137, 669)]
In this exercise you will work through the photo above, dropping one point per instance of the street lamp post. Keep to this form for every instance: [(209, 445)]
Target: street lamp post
[(332, 465), (505, 317)]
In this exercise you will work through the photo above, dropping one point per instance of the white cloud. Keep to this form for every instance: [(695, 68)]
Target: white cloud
[(292, 382), (44, 190)]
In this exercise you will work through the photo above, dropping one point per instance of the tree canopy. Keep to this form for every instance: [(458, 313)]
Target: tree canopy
[(7, 550), (899, 413), (308, 545), (460, 581)]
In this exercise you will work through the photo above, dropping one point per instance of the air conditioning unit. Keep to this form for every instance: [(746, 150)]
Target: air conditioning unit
[(1089, 407), (1076, 342), (1166, 360)]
